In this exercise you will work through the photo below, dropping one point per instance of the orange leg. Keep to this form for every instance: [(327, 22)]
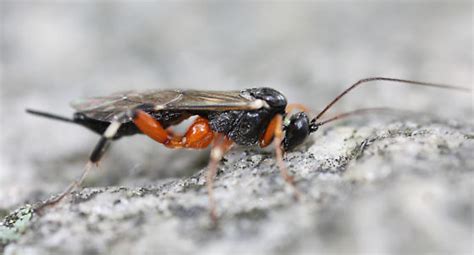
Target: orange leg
[(198, 136), (269, 133), (274, 131), (221, 145), (301, 107)]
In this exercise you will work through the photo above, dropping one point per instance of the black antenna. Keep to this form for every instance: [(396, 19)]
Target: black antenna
[(315, 125), (50, 116), (356, 112)]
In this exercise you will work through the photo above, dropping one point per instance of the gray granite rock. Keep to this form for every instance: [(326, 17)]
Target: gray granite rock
[(400, 186)]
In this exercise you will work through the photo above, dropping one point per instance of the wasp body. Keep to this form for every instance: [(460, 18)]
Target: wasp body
[(257, 116)]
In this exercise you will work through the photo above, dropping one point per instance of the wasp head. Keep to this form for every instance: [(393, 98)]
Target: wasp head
[(297, 128)]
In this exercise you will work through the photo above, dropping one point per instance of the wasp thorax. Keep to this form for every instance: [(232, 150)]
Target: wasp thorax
[(296, 131), (274, 99)]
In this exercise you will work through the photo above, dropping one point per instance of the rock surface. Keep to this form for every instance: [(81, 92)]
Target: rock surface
[(382, 183), (362, 185)]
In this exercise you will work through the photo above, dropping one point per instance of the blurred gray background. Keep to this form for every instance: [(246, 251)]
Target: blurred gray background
[(54, 52)]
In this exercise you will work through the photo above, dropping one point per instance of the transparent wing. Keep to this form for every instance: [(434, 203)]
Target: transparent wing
[(105, 108)]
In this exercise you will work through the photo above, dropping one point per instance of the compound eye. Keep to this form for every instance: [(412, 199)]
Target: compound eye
[(296, 132)]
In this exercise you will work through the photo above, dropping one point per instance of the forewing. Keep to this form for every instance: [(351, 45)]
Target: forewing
[(211, 101), (105, 108)]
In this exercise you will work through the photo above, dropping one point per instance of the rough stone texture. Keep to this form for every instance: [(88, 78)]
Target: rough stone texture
[(400, 183), (401, 186)]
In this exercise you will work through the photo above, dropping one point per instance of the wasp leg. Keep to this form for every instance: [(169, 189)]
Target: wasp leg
[(267, 137), (302, 107), (94, 158), (198, 136), (278, 138), (70, 188), (221, 145), (269, 133)]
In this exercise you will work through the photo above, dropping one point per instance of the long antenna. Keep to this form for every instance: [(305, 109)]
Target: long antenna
[(401, 81), (50, 115), (354, 112)]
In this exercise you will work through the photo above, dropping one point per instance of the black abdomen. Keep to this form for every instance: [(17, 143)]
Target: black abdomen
[(166, 118)]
